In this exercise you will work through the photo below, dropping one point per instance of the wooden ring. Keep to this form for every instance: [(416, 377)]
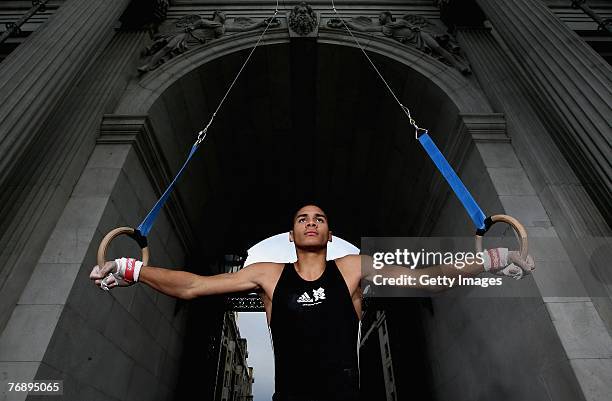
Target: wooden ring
[(519, 231), (108, 238)]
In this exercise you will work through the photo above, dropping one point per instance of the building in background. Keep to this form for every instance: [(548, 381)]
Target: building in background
[(235, 379)]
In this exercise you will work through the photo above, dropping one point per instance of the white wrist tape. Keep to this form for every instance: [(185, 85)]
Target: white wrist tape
[(495, 259), (128, 269)]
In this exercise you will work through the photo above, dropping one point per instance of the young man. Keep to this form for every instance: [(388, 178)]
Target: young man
[(313, 306)]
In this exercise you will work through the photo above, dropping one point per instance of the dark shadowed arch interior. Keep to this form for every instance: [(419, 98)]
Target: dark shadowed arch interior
[(304, 123)]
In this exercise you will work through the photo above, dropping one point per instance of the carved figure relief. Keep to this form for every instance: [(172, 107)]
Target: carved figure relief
[(302, 19), (414, 31), (193, 29)]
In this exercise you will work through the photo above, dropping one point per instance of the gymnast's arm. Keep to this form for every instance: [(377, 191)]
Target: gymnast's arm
[(186, 285)]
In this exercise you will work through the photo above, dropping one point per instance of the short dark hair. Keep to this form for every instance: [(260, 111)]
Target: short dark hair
[(304, 205)]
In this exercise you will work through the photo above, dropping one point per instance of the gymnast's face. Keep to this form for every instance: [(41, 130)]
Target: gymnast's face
[(310, 229)]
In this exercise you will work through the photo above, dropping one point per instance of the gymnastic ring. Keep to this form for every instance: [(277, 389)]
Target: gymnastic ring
[(130, 232), (519, 231)]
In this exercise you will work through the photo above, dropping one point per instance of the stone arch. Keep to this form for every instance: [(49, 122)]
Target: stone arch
[(462, 91), (152, 94), (426, 195)]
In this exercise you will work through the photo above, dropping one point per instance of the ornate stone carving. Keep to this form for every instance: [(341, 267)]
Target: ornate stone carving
[(41, 4), (193, 29), (414, 31), (303, 20), (160, 11)]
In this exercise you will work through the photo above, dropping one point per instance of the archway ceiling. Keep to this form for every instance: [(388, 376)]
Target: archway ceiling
[(304, 123)]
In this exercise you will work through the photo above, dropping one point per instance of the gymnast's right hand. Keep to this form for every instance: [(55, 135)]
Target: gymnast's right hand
[(121, 272)]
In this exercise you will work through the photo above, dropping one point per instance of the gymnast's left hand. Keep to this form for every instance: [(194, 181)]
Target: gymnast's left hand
[(502, 262)]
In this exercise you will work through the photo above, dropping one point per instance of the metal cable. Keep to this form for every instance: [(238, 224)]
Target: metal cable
[(405, 109), (202, 134)]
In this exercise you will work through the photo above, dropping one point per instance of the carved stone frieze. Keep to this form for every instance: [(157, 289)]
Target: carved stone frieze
[(194, 30), (411, 30), (303, 20)]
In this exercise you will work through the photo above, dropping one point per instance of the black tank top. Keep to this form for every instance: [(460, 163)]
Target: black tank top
[(314, 333)]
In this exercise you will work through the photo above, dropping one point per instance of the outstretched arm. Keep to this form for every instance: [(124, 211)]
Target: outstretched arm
[(400, 23), (187, 285), (205, 24), (364, 28), (179, 284), (363, 24)]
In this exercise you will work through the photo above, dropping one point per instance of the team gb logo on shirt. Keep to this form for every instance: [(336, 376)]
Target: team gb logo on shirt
[(318, 296)]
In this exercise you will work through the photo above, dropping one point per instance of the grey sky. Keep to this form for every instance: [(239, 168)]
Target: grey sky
[(254, 328)]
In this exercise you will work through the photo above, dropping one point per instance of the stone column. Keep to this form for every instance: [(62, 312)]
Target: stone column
[(62, 327), (558, 214), (572, 84), (55, 87), (34, 77)]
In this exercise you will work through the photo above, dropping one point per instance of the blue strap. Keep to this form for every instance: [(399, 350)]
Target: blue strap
[(470, 205), (148, 221), (454, 181)]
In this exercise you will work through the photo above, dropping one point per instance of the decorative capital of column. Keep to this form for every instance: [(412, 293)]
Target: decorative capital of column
[(489, 127), (460, 13)]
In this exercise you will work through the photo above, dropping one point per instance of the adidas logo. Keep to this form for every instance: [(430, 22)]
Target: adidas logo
[(304, 298), (319, 295)]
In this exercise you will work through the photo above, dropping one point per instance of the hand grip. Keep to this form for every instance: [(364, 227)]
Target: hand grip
[(129, 231)]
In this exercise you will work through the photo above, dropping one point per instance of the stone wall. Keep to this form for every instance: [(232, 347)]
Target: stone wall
[(498, 347), (48, 125), (125, 344)]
